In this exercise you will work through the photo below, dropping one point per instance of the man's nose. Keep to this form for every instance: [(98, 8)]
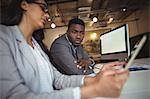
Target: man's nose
[(79, 34)]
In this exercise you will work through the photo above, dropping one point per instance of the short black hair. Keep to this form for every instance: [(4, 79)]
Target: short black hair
[(76, 21)]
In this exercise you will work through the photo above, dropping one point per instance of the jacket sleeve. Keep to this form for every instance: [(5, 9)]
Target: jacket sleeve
[(62, 81), (63, 59)]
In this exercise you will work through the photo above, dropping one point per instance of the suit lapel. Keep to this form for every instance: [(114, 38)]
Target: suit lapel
[(41, 51), (24, 47), (27, 53)]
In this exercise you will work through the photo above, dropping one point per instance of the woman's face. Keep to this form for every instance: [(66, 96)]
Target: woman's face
[(37, 13)]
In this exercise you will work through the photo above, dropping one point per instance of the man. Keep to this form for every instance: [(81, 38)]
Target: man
[(67, 54)]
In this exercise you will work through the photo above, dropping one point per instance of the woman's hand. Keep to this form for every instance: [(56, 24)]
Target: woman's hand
[(112, 79), (108, 82)]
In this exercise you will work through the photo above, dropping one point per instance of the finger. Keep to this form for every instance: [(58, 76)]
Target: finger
[(84, 71), (81, 63), (121, 71), (85, 68), (75, 62), (121, 78), (122, 74), (115, 72), (109, 72), (78, 66), (112, 64)]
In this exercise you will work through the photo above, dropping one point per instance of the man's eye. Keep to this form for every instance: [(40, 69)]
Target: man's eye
[(74, 31), (82, 32)]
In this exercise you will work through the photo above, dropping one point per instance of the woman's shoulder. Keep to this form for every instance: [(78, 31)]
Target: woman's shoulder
[(5, 29), (6, 32)]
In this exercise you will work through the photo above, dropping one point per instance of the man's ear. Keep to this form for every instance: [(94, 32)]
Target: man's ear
[(24, 5)]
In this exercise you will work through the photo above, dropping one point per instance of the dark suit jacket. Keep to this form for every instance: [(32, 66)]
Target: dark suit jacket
[(61, 54)]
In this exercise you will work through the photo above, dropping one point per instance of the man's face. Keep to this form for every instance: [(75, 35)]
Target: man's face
[(76, 34)]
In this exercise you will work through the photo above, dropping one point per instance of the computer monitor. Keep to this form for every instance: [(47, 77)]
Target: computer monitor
[(114, 44)]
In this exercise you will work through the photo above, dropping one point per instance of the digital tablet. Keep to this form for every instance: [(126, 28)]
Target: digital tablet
[(135, 51)]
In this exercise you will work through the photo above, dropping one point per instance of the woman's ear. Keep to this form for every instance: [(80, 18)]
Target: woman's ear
[(24, 5)]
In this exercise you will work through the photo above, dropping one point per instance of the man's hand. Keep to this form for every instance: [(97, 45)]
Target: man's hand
[(83, 63)]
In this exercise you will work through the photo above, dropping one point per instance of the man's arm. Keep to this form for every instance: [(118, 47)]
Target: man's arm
[(64, 59), (85, 62)]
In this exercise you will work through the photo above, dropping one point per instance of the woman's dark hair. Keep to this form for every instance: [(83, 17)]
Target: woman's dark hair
[(12, 14), (76, 21), (39, 36)]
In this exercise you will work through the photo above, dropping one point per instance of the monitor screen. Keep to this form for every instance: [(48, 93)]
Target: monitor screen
[(115, 44)]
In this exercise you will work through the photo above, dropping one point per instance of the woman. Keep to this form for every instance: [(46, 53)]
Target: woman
[(26, 71)]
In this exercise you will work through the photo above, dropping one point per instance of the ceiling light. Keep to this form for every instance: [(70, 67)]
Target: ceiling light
[(93, 36), (124, 9), (110, 20), (53, 25), (49, 19), (95, 19)]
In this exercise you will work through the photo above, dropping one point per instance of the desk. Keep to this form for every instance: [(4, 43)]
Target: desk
[(137, 86), (138, 83)]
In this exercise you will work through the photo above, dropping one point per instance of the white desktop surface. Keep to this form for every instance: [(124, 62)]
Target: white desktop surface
[(138, 83), (137, 86)]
